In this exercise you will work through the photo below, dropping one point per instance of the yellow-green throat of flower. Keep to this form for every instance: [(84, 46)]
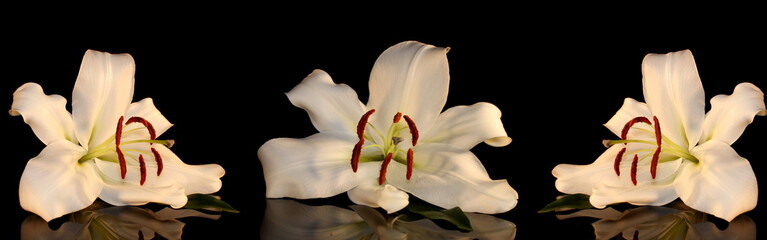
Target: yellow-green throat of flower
[(391, 140)]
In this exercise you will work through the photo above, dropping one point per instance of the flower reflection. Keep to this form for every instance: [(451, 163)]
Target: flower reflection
[(289, 219), (102, 221), (676, 221)]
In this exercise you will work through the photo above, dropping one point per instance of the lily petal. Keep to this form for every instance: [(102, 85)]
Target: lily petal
[(317, 166), (572, 179), (119, 194), (721, 175), (102, 93), (466, 126), (674, 93), (388, 197), (54, 184), (730, 114), (146, 109), (407, 73), (47, 115), (331, 106), (203, 179), (631, 109), (649, 194), (450, 177)]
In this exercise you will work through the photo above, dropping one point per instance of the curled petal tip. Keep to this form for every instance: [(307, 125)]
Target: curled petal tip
[(447, 49), (762, 113)]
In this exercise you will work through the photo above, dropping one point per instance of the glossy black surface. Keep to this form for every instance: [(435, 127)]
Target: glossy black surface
[(224, 91)]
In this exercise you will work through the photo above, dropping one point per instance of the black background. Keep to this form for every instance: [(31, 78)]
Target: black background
[(223, 88)]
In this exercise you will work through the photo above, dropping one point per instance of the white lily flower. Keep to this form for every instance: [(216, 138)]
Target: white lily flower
[(398, 143), (670, 148), (106, 148)]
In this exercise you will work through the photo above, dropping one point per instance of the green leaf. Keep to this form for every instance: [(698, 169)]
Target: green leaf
[(202, 201), (574, 201), (454, 216)]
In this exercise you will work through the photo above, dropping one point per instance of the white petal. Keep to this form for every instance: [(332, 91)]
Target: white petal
[(146, 109), (466, 126), (128, 191), (331, 106), (203, 179), (450, 177), (54, 184), (412, 78), (133, 194), (47, 115), (102, 93), (386, 196), (631, 109), (648, 194), (314, 167), (674, 93), (288, 219), (730, 114), (35, 228), (721, 184), (572, 179)]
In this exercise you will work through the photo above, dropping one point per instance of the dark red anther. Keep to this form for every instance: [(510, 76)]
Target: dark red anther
[(413, 129), (636, 234), (634, 169), (654, 162), (384, 165), (618, 159), (362, 123), (658, 135), (631, 123), (140, 235), (397, 117), (120, 155), (356, 155), (409, 163), (142, 168), (158, 160), (147, 125)]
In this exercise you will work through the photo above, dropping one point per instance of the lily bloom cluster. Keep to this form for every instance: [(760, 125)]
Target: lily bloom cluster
[(682, 152), (106, 148), (397, 143)]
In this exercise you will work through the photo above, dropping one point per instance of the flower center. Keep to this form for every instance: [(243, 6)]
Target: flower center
[(387, 143), (116, 145), (645, 147)]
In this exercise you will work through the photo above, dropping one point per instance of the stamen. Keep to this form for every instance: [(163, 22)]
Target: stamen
[(362, 123), (618, 159), (158, 160), (654, 162), (140, 235), (120, 155), (384, 165), (397, 117), (356, 155), (634, 169), (631, 123), (409, 163), (413, 129), (142, 168), (656, 154), (147, 125)]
